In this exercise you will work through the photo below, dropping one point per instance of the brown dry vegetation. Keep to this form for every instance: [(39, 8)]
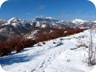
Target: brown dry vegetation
[(58, 33), (18, 44)]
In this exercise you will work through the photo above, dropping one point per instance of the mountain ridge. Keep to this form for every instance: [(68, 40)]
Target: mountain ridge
[(16, 27)]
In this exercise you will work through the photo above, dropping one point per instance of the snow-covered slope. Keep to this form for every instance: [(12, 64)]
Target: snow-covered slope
[(58, 55)]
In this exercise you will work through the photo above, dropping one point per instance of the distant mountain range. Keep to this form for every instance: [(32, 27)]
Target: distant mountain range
[(15, 27), (46, 22)]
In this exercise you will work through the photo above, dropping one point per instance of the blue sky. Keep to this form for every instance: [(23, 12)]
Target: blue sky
[(60, 9)]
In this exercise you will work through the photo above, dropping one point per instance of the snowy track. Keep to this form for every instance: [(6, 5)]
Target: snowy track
[(48, 57)]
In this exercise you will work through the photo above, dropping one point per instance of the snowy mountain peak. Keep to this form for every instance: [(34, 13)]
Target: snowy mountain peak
[(79, 21), (13, 20), (94, 21), (50, 18)]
